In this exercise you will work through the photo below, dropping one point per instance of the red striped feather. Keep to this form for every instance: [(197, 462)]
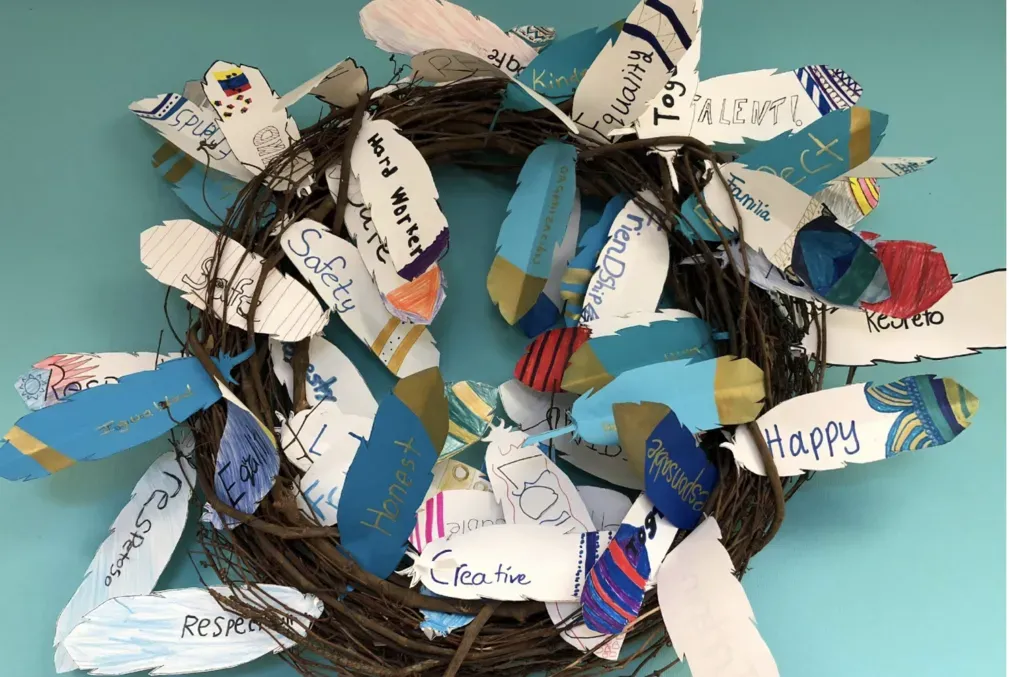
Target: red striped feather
[(543, 364)]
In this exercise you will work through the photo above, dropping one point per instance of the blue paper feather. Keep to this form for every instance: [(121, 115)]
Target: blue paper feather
[(575, 282), (391, 472), (538, 215), (558, 69), (104, 420)]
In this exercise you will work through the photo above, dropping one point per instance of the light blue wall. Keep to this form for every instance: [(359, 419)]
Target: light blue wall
[(879, 571)]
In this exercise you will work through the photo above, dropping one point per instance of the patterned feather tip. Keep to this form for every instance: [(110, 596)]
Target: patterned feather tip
[(917, 276), (612, 596), (512, 290), (932, 410), (546, 358), (471, 406), (838, 265), (420, 299)]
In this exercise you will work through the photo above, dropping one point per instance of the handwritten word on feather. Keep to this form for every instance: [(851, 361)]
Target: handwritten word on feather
[(181, 254), (330, 378), (575, 280), (336, 445)]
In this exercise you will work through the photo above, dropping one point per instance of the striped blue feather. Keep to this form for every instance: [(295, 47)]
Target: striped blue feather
[(575, 282)]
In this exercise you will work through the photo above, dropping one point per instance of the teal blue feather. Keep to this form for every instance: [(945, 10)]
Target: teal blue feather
[(575, 282)]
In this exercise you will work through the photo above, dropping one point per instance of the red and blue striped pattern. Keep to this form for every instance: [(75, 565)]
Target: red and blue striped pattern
[(615, 588)]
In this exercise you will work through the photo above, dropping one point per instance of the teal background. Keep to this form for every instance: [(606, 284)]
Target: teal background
[(891, 569)]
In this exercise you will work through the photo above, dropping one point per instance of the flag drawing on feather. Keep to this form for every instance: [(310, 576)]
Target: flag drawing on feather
[(452, 513), (706, 612), (181, 254), (140, 543), (621, 81), (59, 376), (549, 304), (575, 281), (557, 69), (256, 129), (397, 185), (632, 266), (707, 395), (888, 167), (391, 472), (538, 214), (207, 192), (471, 407), (612, 596), (335, 268), (678, 476), (165, 631), (838, 265), (330, 378), (858, 423), (192, 129), (107, 419), (970, 318), (325, 477), (917, 277), (619, 344), (509, 562), (417, 300), (414, 26), (343, 85), (247, 464), (543, 364)]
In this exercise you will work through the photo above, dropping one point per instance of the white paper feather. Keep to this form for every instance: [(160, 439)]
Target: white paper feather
[(141, 541), (180, 253), (607, 507), (878, 167), (331, 377), (308, 436), (175, 632), (336, 442), (453, 513), (335, 268), (706, 612), (968, 319), (343, 86)]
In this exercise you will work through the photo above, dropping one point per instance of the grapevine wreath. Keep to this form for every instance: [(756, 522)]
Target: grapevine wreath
[(690, 320)]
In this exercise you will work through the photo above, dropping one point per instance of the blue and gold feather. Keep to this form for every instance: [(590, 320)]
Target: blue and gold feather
[(932, 411), (575, 282)]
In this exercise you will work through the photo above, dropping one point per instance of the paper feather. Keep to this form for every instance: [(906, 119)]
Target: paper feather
[(575, 280), (140, 543), (391, 472), (619, 84), (331, 377), (192, 129), (544, 361), (538, 215), (471, 408), (970, 318), (415, 26), (858, 423), (607, 506), (452, 513), (888, 167), (332, 451), (335, 269), (615, 589), (308, 436), (181, 254), (105, 420), (917, 278), (706, 612), (343, 86), (207, 192), (60, 376), (163, 632), (838, 265), (849, 200)]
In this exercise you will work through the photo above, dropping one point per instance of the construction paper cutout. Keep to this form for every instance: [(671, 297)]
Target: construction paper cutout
[(309, 434), (557, 70), (707, 615), (193, 90), (471, 406), (397, 185), (607, 507), (888, 167), (165, 631), (619, 344), (140, 543), (679, 478), (339, 438), (343, 86), (438, 623), (415, 26), (537, 37), (451, 475), (628, 72), (454, 513), (57, 377), (917, 277), (850, 200), (858, 423), (838, 265), (613, 594), (536, 413), (390, 474), (968, 319), (107, 419), (764, 274), (542, 365), (331, 377), (192, 129), (658, 531), (247, 464), (632, 266), (417, 300), (708, 394), (206, 191), (305, 88), (180, 253), (509, 562), (575, 280), (335, 268)]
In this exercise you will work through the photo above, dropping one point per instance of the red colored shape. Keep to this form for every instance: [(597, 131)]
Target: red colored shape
[(546, 358), (918, 278), (868, 235)]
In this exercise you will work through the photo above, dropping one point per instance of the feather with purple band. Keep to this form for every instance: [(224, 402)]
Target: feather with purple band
[(538, 214), (391, 472), (105, 420), (615, 588), (575, 280), (707, 395)]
